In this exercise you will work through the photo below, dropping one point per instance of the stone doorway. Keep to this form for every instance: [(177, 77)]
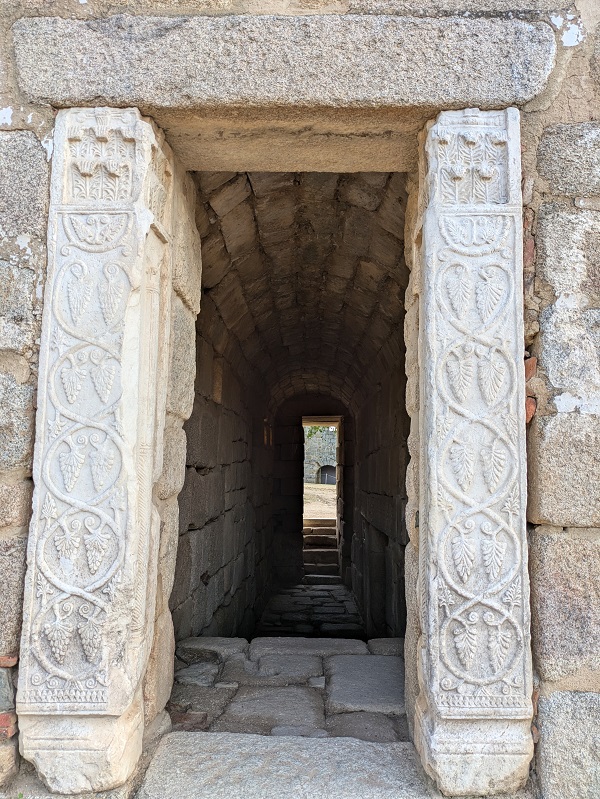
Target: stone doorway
[(108, 475)]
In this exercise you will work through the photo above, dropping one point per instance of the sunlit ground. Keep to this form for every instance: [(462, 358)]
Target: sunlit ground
[(319, 501)]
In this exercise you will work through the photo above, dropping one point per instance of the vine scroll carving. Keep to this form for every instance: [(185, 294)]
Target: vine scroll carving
[(476, 674)]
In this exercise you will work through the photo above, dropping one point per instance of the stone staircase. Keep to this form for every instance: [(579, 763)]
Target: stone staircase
[(320, 552)]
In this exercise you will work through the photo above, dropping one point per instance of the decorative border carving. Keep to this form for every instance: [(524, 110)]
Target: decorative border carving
[(88, 596), (473, 550)]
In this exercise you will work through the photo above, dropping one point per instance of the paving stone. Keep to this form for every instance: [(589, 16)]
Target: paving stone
[(322, 647), (275, 670), (201, 674), (212, 701), (303, 732), (386, 646), (210, 650), (373, 683), (258, 710), (363, 726), (223, 766)]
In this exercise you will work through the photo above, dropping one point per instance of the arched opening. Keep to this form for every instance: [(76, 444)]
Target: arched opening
[(326, 474)]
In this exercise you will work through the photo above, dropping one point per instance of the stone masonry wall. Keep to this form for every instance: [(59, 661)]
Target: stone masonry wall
[(379, 515), (319, 450)]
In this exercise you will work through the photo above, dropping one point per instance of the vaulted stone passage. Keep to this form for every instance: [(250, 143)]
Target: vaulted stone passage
[(301, 314)]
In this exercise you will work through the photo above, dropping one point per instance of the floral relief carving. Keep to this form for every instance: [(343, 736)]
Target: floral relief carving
[(89, 508), (476, 562)]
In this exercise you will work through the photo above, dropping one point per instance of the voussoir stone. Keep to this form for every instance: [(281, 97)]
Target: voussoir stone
[(330, 60), (321, 647), (372, 683), (217, 765)]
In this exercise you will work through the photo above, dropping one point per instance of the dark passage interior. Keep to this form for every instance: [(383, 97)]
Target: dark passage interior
[(301, 316)]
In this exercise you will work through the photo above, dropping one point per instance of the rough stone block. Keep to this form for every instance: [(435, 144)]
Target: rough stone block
[(258, 710), (210, 650), (322, 647), (187, 261), (372, 683), (364, 726), (172, 478), (201, 674), (568, 765), (24, 190), (9, 761), (182, 371), (7, 691), (196, 699), (158, 679), (12, 569), (568, 157), (558, 493), (182, 62), (386, 646), (569, 262), (16, 424), (18, 325), (15, 503), (565, 602)]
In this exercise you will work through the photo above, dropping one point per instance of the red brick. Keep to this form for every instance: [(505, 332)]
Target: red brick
[(8, 661), (530, 408), (8, 725), (528, 252), (530, 367)]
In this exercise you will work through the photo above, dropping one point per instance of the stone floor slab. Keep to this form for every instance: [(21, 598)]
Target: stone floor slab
[(322, 647), (258, 710), (225, 766), (210, 649), (386, 646), (372, 683), (364, 726)]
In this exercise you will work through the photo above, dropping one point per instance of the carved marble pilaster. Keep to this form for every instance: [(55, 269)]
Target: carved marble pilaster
[(474, 708), (89, 594)]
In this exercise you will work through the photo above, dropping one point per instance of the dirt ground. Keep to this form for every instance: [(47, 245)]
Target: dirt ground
[(319, 501)]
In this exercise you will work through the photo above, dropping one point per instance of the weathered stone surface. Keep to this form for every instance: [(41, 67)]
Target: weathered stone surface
[(321, 647), (15, 503), (216, 765), (210, 650), (387, 646), (197, 699), (276, 670), (9, 761), (24, 190), (568, 765), (158, 678), (568, 158), (565, 601), (372, 683), (201, 674), (7, 691), (18, 325), (182, 63), (16, 423), (374, 727), (558, 493), (258, 710), (569, 263), (12, 568), (173, 474), (182, 370)]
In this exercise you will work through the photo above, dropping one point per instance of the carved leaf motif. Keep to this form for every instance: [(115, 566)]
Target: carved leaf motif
[(58, 633), (91, 638), (110, 293), (72, 378), (68, 541), (444, 502), (70, 465), (465, 641), (487, 295), (101, 462), (463, 554), (79, 291), (445, 597), (493, 459), (463, 463), (96, 544), (103, 376), (512, 596), (512, 504), (43, 588), (110, 589), (49, 510), (460, 372), (493, 551), (498, 645), (491, 376), (56, 426), (458, 286)]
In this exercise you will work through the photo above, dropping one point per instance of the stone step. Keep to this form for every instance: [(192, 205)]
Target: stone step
[(314, 555), (222, 765), (325, 580), (323, 540), (319, 523), (322, 568)]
